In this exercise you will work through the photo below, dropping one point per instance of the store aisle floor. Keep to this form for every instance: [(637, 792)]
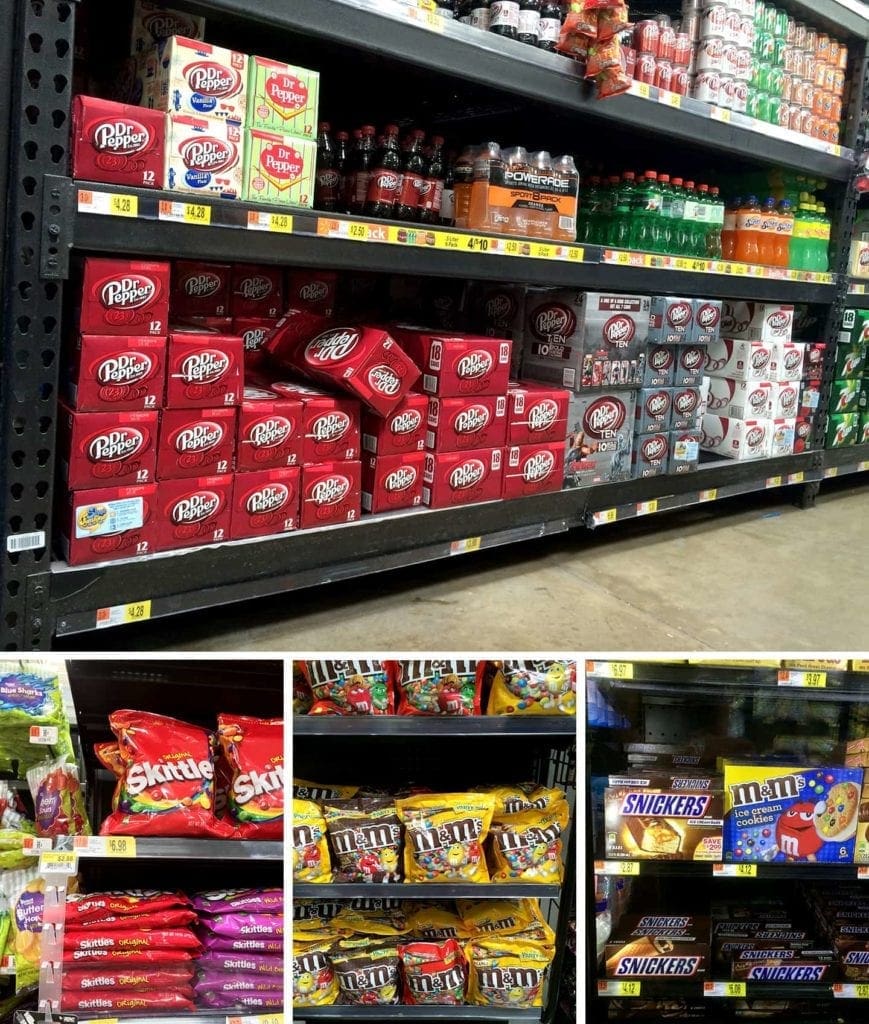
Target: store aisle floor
[(749, 574)]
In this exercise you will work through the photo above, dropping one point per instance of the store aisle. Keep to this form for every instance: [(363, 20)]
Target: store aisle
[(749, 574)]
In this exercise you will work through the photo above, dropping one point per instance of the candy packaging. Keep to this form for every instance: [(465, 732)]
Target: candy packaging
[(533, 688), (434, 973), (310, 850), (253, 747), (444, 836), (365, 837)]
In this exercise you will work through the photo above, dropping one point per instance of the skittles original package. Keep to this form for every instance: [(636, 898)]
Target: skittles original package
[(314, 981), (167, 788), (350, 687), (444, 836), (526, 845), (254, 749), (434, 973), (444, 687), (506, 971), (310, 849), (365, 836), (533, 688), (776, 813), (367, 972)]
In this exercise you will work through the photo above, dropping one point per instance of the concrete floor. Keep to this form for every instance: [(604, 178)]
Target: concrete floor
[(753, 573)]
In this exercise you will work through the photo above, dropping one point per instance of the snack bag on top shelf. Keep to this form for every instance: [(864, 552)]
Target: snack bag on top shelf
[(57, 799), (444, 836), (254, 750), (365, 837), (506, 917), (310, 850), (526, 845), (30, 695), (314, 981), (168, 784), (521, 796), (372, 922), (445, 687), (320, 792), (351, 687), (367, 971), (302, 696), (533, 688), (434, 973), (240, 901), (506, 971)]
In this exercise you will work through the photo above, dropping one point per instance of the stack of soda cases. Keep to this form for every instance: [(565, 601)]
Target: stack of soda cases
[(659, 55), (755, 372), (805, 330), (723, 54), (848, 414), (534, 22)]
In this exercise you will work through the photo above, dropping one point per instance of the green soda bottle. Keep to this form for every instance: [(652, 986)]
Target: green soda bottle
[(678, 235), (620, 226), (666, 222), (646, 227), (823, 240)]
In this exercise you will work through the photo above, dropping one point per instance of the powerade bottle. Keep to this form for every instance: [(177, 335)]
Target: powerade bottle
[(645, 229), (620, 224)]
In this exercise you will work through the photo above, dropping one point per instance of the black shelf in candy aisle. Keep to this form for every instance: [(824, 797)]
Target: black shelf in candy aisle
[(379, 1013), (660, 988), (167, 224), (425, 890), (748, 872), (842, 461), (159, 848), (451, 726), (445, 46)]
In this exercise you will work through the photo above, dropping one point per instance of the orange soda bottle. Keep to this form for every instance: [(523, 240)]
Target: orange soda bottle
[(748, 219)]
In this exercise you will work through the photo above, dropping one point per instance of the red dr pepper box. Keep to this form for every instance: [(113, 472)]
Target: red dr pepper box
[(117, 373), (253, 333), (193, 512), (391, 482), (458, 365), (107, 523), (330, 428), (536, 414), (266, 502), (124, 297), (107, 447), (117, 144), (269, 431), (257, 291), (403, 430), (200, 289), (533, 469), (457, 424), (203, 370), (462, 478), (196, 441), (331, 493), (312, 290)]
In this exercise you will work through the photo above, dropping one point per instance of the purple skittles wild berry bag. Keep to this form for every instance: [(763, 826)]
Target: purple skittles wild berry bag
[(243, 925), (248, 963), (238, 901), (271, 1000)]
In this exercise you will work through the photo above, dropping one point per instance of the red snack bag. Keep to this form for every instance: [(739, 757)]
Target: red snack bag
[(442, 687), (354, 687), (177, 917), (581, 22), (611, 21), (254, 749), (144, 1002), (603, 57), (435, 973), (94, 906), (114, 957), (57, 799), (164, 939), (168, 783), (612, 82), (78, 980)]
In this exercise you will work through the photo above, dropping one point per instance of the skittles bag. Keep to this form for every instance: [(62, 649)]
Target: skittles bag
[(254, 750), (526, 845), (167, 786), (310, 849), (533, 688), (506, 971), (444, 836)]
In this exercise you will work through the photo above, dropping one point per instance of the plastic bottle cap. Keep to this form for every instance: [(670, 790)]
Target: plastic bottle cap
[(436, 140), (629, 176), (664, 179), (677, 181), (689, 184), (325, 126)]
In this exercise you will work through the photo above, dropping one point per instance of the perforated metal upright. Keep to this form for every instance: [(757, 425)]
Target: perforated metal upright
[(35, 104)]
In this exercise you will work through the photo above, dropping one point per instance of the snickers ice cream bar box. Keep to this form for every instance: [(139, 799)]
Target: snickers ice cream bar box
[(658, 946)]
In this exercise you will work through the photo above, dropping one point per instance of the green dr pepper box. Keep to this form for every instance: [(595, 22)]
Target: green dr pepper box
[(282, 98)]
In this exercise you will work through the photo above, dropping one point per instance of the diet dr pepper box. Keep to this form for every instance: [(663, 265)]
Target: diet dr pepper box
[(107, 523), (265, 502), (152, 22), (458, 365), (737, 438), (282, 98), (124, 297), (391, 482), (117, 373), (117, 144), (463, 478), (600, 438), (193, 512), (757, 321), (331, 493), (190, 77), (270, 431), (203, 370), (107, 447)]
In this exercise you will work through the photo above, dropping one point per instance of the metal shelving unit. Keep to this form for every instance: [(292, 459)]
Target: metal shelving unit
[(46, 220)]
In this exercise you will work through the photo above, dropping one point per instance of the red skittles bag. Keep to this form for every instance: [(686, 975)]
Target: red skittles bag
[(167, 788), (254, 750)]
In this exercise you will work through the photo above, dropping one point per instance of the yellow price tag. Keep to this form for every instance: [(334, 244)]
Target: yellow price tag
[(608, 515), (433, 22), (628, 988), (541, 251), (796, 478), (197, 213), (262, 1018), (58, 862), (709, 495), (281, 222), (739, 269), (773, 481), (815, 680), (358, 231), (622, 670), (124, 206), (645, 508), (720, 114), (575, 253), (629, 867), (670, 99), (831, 471), (476, 243), (643, 89), (121, 614), (861, 991), (461, 547), (746, 870), (259, 220), (623, 257), (734, 989), (617, 867), (138, 611), (120, 846)]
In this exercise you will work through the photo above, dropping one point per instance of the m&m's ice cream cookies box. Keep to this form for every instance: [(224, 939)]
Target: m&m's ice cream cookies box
[(777, 813)]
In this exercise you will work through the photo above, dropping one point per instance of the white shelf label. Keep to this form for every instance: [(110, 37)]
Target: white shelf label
[(58, 862), (724, 989), (25, 541), (851, 991), (734, 870), (34, 845), (808, 680), (617, 867), (7, 965), (43, 735), (611, 669), (105, 846)]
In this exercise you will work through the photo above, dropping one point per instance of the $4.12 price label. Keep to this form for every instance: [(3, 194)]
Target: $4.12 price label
[(734, 870), (623, 989)]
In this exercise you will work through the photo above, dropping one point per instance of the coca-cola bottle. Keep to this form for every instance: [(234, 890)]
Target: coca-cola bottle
[(363, 164), (408, 200), (528, 28), (432, 198), (385, 181), (327, 193), (341, 164), (549, 27), (504, 18)]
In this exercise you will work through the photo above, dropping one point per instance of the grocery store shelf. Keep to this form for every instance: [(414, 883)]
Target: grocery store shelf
[(505, 1014), (386, 29), (702, 870), (665, 989), (423, 890), (841, 461), (158, 848), (857, 295), (110, 219), (335, 726)]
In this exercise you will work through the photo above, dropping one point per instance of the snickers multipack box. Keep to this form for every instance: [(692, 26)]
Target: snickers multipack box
[(658, 946)]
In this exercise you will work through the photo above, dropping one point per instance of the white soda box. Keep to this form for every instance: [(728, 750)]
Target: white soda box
[(153, 23), (736, 438), (741, 360), (787, 360), (784, 399), (740, 399), (204, 156), (782, 432), (187, 76), (757, 321)]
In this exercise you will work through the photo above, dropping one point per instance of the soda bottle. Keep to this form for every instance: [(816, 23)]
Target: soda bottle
[(728, 230), (565, 225), (823, 239), (748, 231), (528, 29), (700, 210), (798, 257), (784, 230), (463, 177), (480, 14), (385, 181), (645, 225), (433, 189), (549, 29), (620, 225), (448, 202), (363, 164), (602, 217), (327, 187), (446, 8), (766, 239), (713, 228), (504, 18), (666, 213), (582, 214), (678, 230), (488, 168), (341, 158), (410, 196)]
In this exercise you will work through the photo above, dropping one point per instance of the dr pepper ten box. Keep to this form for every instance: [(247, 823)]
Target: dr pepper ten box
[(114, 373), (99, 448), (124, 297)]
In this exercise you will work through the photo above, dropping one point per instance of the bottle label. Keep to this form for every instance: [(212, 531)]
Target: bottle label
[(480, 18), (548, 30), (785, 226), (328, 185), (384, 186), (360, 188), (448, 206), (801, 229), (677, 208), (729, 221), (695, 211), (504, 13), (529, 23), (434, 197), (411, 189), (748, 222), (769, 223), (716, 214)]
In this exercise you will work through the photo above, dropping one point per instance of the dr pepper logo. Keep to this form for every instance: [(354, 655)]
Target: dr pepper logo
[(282, 163), (205, 367), (793, 358), (542, 415), (270, 432), (778, 321), (195, 507), (162, 24), (209, 78), (658, 403), (760, 358), (758, 399), (200, 286), (126, 368), (654, 448), (660, 358), (207, 153), (384, 380), (619, 330), (121, 136), (471, 420), (474, 364), (286, 93), (333, 346), (708, 316), (692, 358), (500, 306), (129, 292), (553, 320), (331, 426), (406, 422), (686, 401), (679, 314), (116, 445), (604, 417), (755, 436), (314, 291), (330, 490), (467, 475), (400, 479), (538, 468), (199, 437), (267, 499), (254, 288)]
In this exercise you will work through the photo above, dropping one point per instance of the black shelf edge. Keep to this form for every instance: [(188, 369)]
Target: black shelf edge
[(385, 30), (335, 726), (157, 848), (663, 989), (424, 890), (301, 1013), (206, 577), (227, 237), (765, 872), (852, 459)]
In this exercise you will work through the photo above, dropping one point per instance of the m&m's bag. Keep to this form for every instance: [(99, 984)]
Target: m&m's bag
[(350, 687), (526, 845), (533, 688), (521, 796), (310, 849), (365, 836), (441, 687), (444, 836), (436, 922), (367, 971), (434, 973), (314, 981), (485, 917), (506, 970), (254, 750)]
